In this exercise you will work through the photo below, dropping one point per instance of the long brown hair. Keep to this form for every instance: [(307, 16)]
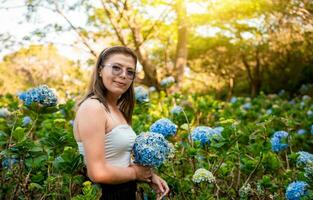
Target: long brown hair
[(96, 87)]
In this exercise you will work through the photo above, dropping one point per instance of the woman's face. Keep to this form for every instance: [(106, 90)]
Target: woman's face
[(117, 72)]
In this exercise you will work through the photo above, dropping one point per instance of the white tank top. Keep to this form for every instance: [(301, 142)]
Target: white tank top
[(118, 145)]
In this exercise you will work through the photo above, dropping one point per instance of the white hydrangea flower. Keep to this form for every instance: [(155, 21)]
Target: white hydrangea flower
[(245, 190), (4, 112), (306, 98), (203, 175)]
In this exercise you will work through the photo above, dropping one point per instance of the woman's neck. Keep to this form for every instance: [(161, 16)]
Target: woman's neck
[(112, 100)]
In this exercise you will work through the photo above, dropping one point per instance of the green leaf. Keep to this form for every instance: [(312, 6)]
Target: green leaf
[(217, 144), (33, 186), (19, 134), (184, 126), (227, 121), (192, 151), (36, 149), (38, 161)]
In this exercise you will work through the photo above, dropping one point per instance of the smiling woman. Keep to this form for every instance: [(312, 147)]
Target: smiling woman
[(102, 127)]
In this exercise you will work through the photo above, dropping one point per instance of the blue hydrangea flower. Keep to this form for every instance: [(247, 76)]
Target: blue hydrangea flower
[(8, 162), (247, 106), (4, 112), (151, 149), (304, 157), (203, 175), (219, 129), (301, 131), (292, 102), (167, 81), (26, 120), (176, 110), (296, 190), (141, 94), (41, 94), (72, 122), (269, 111), (233, 100), (312, 129), (277, 139), (302, 104), (308, 170), (204, 134), (200, 133), (164, 126)]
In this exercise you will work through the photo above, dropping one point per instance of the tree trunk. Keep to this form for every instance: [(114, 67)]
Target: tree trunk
[(254, 74), (231, 82), (181, 48), (257, 74), (250, 76), (150, 78)]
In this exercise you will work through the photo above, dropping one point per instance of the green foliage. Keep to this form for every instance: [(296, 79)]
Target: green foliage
[(244, 154), (39, 160), (90, 191)]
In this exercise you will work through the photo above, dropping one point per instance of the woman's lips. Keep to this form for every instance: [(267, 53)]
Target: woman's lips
[(119, 83)]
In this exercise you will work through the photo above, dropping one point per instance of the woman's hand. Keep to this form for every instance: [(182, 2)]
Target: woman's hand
[(142, 173), (159, 186)]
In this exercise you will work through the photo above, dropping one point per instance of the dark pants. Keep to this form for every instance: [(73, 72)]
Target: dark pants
[(124, 191)]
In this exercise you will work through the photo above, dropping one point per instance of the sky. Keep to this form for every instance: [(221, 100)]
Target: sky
[(11, 23)]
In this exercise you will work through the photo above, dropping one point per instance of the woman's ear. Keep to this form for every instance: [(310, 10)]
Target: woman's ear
[(100, 70)]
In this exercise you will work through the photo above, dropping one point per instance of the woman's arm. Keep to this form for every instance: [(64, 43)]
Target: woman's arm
[(90, 119)]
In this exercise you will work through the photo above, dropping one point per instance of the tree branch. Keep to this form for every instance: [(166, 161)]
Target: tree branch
[(117, 29), (75, 29)]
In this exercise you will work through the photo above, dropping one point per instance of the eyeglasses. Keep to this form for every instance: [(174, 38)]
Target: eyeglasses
[(118, 70)]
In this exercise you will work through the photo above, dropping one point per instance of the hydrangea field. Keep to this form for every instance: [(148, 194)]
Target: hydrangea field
[(260, 148)]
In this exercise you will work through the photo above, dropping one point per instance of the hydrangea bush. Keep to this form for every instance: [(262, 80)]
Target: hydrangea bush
[(242, 150)]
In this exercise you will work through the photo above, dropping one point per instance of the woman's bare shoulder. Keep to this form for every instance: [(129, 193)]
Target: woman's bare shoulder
[(90, 120), (91, 106)]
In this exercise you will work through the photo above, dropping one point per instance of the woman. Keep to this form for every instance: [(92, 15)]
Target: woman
[(102, 127)]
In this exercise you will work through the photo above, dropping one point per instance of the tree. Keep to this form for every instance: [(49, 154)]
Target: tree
[(37, 65), (123, 23)]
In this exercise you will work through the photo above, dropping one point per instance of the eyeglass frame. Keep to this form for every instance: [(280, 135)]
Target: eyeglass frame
[(121, 67)]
